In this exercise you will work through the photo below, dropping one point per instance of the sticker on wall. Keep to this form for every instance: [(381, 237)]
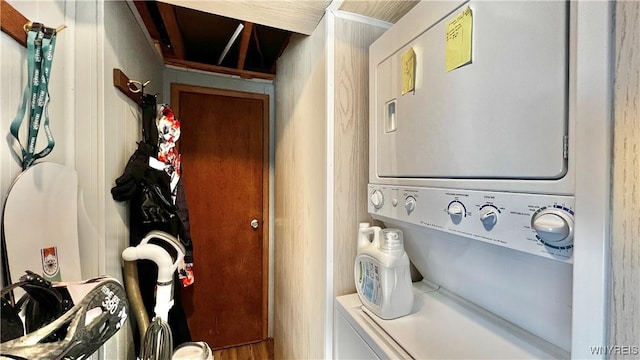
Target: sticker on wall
[(458, 40), (408, 63)]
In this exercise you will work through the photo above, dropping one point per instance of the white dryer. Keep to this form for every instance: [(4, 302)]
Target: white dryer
[(478, 114)]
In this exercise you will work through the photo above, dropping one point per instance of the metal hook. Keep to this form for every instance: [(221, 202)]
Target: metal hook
[(139, 87), (28, 26)]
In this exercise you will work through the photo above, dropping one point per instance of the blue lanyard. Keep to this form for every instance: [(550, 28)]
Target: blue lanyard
[(40, 48)]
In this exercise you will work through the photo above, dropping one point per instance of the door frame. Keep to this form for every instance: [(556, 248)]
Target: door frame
[(176, 89)]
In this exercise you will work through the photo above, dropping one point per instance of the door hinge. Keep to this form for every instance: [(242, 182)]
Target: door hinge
[(565, 146)]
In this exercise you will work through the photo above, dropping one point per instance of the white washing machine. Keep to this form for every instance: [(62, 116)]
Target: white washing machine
[(440, 326)]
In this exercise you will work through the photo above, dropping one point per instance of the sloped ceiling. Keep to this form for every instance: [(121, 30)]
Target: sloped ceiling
[(200, 34)]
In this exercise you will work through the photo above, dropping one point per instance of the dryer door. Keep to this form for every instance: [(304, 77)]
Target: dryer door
[(504, 115)]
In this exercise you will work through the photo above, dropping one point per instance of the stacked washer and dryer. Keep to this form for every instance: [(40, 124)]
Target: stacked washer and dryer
[(476, 163)]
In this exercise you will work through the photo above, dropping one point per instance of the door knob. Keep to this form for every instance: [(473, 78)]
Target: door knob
[(254, 223)]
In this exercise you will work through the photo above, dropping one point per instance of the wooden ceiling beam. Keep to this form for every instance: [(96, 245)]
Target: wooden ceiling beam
[(147, 19), (173, 30), (244, 44), (245, 74), (143, 10)]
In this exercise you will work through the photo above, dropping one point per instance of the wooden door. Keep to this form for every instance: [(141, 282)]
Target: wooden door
[(224, 147)]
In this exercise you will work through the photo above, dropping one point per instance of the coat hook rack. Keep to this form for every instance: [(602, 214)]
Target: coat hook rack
[(12, 22), (16, 25), (132, 88)]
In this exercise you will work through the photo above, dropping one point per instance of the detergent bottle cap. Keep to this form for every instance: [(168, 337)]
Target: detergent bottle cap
[(392, 239)]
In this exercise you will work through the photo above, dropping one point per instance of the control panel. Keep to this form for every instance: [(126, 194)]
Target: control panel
[(542, 225)]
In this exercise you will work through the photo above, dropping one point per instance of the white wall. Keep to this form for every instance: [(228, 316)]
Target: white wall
[(108, 126), (13, 79), (119, 124), (95, 126)]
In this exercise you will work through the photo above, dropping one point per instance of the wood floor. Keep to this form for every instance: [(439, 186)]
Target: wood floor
[(257, 351)]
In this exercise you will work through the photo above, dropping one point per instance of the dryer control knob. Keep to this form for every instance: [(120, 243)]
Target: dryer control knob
[(377, 199), (456, 211), (489, 216), (410, 204), (554, 227)]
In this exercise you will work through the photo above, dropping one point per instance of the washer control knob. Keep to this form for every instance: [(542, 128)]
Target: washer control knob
[(410, 204), (456, 211), (554, 227), (377, 199), (489, 216)]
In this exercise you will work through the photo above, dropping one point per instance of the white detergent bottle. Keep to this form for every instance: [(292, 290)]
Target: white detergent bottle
[(381, 271)]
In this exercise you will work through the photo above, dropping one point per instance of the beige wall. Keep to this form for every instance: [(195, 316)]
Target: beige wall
[(321, 175), (625, 225), (300, 207), (351, 144)]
